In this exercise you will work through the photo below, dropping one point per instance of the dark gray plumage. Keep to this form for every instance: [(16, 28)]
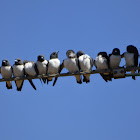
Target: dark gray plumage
[(6, 72), (18, 71), (71, 64), (85, 63), (53, 65), (30, 70), (102, 62), (42, 64)]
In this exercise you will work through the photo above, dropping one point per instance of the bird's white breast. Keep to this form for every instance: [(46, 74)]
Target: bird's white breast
[(6, 71), (115, 61), (42, 66), (29, 69), (71, 64), (129, 59), (18, 70), (101, 62), (84, 61), (53, 66)]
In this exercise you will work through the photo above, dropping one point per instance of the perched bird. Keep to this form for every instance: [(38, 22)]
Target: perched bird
[(53, 65), (85, 64), (18, 71), (42, 66), (71, 64), (115, 58), (102, 62), (131, 57), (6, 72), (30, 70)]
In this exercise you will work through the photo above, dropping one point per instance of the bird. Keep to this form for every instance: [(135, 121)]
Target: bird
[(131, 57), (6, 72), (115, 58), (85, 64), (102, 62), (30, 70), (71, 64), (53, 65), (18, 71), (41, 64)]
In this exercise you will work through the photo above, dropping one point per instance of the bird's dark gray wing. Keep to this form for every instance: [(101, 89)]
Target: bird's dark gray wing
[(20, 88), (30, 80), (109, 60), (105, 77), (32, 84), (109, 76), (61, 68), (78, 63), (44, 79), (136, 60), (47, 67), (110, 55), (9, 87), (12, 69), (122, 56), (37, 72), (94, 63), (36, 69), (47, 72), (135, 63), (91, 62)]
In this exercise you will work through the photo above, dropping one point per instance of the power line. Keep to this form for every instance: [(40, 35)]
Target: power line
[(117, 73)]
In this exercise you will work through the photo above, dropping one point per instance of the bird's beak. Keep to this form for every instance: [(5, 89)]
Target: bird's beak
[(57, 52)]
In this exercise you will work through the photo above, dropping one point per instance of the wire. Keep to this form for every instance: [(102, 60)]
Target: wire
[(72, 74)]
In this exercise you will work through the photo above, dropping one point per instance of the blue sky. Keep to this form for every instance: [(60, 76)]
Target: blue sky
[(68, 111)]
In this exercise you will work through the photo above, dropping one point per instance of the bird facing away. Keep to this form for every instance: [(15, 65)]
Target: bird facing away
[(6, 72), (85, 64), (18, 71), (30, 70), (102, 62), (53, 65), (131, 57), (71, 64), (115, 58), (42, 66)]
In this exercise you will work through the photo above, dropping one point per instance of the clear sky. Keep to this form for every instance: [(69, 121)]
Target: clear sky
[(68, 111)]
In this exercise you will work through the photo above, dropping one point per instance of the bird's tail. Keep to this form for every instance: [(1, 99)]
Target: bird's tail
[(19, 84), (44, 80), (86, 78), (8, 85), (32, 84), (107, 77), (78, 79), (133, 77), (49, 79)]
